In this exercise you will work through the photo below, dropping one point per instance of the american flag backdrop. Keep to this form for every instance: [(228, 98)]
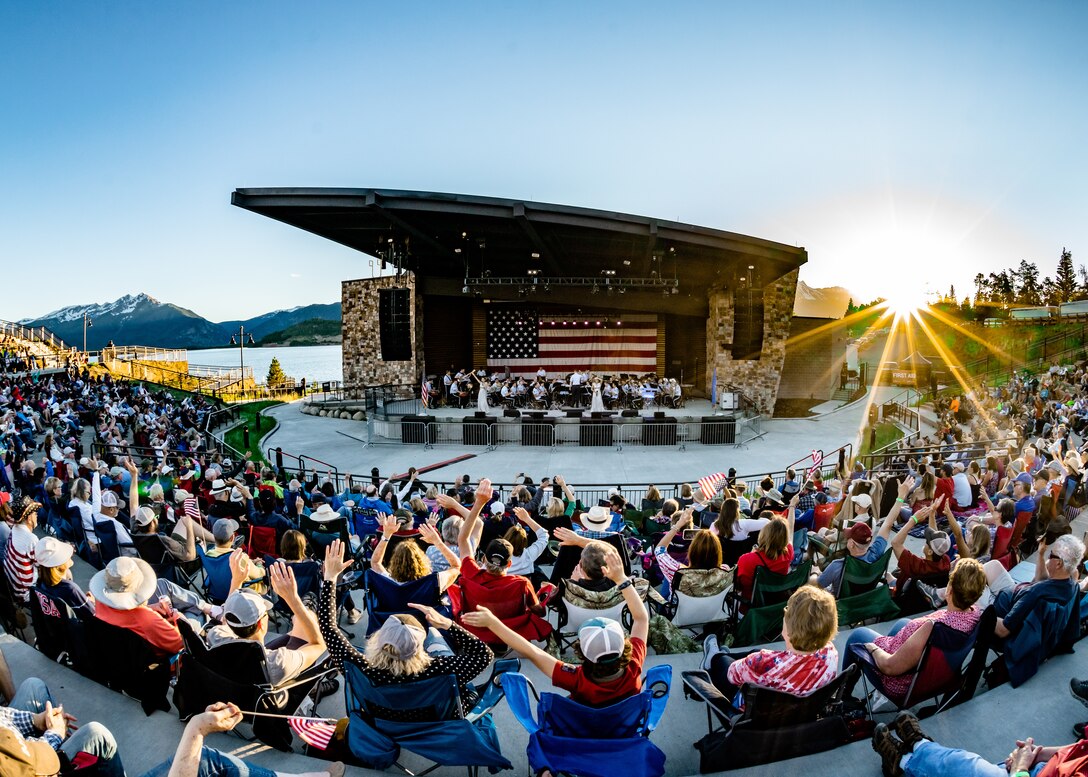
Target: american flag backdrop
[(524, 340)]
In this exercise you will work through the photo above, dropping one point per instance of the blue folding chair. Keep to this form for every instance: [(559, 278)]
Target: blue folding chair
[(217, 576), (443, 734), (385, 597), (567, 737), (109, 543)]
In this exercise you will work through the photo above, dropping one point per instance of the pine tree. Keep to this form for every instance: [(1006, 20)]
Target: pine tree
[(980, 289), (276, 376), (1028, 291), (1065, 279)]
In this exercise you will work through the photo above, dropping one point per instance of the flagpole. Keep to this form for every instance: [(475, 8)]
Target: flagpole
[(305, 717)]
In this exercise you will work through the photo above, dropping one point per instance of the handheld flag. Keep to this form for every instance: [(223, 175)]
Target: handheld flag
[(316, 732), (425, 393), (710, 484)]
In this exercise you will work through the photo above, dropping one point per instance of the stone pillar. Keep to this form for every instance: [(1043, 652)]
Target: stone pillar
[(758, 378), (362, 350)]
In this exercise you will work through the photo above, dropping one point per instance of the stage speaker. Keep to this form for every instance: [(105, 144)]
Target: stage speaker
[(574, 414), (510, 412), (480, 414), (629, 413), (659, 414), (395, 324)]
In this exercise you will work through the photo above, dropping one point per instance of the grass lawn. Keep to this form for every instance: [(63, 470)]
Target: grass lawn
[(247, 415), (886, 432)]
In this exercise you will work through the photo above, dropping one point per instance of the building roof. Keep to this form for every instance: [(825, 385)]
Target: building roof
[(445, 238)]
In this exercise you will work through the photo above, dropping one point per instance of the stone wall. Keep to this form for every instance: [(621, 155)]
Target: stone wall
[(362, 349), (814, 356), (757, 378)]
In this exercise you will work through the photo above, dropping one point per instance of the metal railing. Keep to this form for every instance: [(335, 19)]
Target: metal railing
[(38, 334), (143, 353), (894, 459)]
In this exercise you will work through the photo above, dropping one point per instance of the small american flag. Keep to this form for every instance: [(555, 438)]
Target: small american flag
[(710, 484), (425, 393), (817, 460), (316, 732)]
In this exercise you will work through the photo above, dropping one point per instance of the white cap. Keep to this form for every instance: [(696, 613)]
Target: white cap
[(601, 638)]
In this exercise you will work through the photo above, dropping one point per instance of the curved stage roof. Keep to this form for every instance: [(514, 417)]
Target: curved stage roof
[(451, 236)]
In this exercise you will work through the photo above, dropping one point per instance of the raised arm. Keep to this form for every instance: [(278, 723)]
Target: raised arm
[(447, 576), (640, 616), (900, 500), (483, 496), (676, 528), (133, 488), (962, 549), (389, 528)]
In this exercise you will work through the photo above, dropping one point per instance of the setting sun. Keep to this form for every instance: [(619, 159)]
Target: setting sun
[(905, 298)]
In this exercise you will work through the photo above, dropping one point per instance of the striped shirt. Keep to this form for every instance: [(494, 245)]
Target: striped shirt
[(19, 561)]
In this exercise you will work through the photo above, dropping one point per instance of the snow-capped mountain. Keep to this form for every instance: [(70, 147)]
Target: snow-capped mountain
[(829, 302), (139, 319)]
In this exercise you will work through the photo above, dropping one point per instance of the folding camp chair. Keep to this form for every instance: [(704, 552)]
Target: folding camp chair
[(152, 549), (109, 543), (762, 622), (693, 613), (217, 576), (1051, 628), (238, 672), (567, 616), (386, 597), (10, 613), (569, 555), (442, 733), (732, 550), (938, 675), (863, 595), (58, 630), (770, 726), (124, 661), (261, 541), (570, 738)]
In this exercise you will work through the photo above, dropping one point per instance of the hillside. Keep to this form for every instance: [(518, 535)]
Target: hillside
[(313, 331), (139, 319), (828, 302)]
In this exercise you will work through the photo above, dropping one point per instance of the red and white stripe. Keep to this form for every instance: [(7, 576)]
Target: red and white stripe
[(710, 484), (316, 732), (565, 345)]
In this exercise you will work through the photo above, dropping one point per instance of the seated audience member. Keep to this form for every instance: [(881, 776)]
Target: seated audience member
[(34, 729), (934, 560), (861, 544), (597, 522), (224, 504), (401, 651), (267, 516), (774, 550), (526, 553), (225, 531), (408, 561), (19, 554), (121, 594), (898, 653), (54, 560), (704, 552), (653, 499), (193, 759), (181, 545), (107, 506), (808, 663), (1055, 569), (494, 575), (905, 749), (245, 617), (611, 669), (732, 526)]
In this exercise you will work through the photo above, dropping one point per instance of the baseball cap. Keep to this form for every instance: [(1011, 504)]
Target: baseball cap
[(244, 608), (144, 516), (862, 500), (860, 533), (180, 495), (69, 449), (51, 552), (497, 508), (601, 639), (109, 499), (938, 541), (224, 528), (406, 639), (498, 552)]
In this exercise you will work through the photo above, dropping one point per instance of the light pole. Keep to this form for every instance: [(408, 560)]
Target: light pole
[(87, 323), (240, 341)]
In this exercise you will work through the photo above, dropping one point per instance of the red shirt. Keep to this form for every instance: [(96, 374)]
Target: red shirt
[(747, 564), (914, 566), (945, 487), (601, 694), (1070, 761), (148, 623)]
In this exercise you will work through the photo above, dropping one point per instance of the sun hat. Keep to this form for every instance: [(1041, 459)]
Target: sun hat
[(124, 584), (219, 486), (775, 495), (860, 533), (600, 639), (938, 541), (22, 507), (20, 757), (244, 608), (236, 495), (862, 500), (51, 552), (224, 529), (406, 639), (597, 518)]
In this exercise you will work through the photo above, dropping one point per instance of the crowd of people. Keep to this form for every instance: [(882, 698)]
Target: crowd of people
[(456, 573)]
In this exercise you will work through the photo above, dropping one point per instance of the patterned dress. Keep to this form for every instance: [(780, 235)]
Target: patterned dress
[(960, 621)]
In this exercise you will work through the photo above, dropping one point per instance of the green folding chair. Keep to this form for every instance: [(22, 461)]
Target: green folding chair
[(863, 594), (770, 593)]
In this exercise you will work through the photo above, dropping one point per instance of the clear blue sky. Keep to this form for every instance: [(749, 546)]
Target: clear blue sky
[(950, 134)]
